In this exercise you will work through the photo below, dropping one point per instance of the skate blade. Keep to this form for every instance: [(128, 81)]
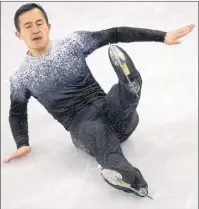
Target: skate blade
[(115, 178)]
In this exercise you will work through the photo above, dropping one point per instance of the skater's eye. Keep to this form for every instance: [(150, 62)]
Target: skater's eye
[(39, 22)]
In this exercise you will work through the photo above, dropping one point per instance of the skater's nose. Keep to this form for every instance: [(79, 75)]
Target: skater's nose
[(35, 29)]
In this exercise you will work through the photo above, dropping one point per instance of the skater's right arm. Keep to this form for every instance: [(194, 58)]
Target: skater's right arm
[(89, 41), (92, 40), (19, 97)]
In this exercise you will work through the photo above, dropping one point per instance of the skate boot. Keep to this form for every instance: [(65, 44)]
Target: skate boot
[(120, 174), (116, 180), (127, 74)]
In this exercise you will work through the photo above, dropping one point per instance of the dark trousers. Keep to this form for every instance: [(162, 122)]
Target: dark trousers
[(100, 127)]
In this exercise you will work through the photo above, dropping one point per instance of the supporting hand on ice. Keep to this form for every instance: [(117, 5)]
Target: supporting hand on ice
[(173, 37), (19, 153)]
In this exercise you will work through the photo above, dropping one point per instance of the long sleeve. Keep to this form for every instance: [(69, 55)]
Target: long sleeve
[(91, 41), (19, 97)]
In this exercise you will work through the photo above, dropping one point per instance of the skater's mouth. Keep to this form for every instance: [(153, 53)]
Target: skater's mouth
[(37, 38)]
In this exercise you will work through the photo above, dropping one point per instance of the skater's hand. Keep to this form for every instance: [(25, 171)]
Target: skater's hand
[(19, 153), (173, 37)]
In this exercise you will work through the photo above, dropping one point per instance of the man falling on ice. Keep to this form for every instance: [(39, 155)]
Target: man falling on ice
[(56, 74)]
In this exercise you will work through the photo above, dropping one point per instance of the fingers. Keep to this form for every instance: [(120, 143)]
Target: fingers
[(191, 26), (182, 34), (174, 42), (9, 159), (187, 27), (17, 154), (186, 30)]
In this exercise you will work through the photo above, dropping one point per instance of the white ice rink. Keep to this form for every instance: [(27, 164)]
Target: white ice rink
[(164, 146)]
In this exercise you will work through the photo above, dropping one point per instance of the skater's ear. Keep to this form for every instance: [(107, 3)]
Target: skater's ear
[(18, 35), (49, 27)]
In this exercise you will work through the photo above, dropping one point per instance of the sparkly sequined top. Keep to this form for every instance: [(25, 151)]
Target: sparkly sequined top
[(61, 80)]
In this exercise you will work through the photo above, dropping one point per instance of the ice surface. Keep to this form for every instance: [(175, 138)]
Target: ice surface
[(164, 146)]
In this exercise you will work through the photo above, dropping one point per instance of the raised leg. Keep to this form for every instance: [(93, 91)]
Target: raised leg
[(123, 98)]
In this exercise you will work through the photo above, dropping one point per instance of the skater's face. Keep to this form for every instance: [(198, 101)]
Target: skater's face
[(34, 30)]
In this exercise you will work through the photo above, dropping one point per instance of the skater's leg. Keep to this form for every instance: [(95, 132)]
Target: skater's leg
[(103, 144), (90, 134), (123, 98), (98, 140)]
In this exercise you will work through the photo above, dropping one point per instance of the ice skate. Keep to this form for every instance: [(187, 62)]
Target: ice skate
[(124, 68)]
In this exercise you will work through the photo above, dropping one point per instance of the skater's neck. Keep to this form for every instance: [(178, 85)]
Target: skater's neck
[(38, 52)]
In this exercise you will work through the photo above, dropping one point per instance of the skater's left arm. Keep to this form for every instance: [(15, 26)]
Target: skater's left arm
[(90, 41), (18, 117), (19, 97)]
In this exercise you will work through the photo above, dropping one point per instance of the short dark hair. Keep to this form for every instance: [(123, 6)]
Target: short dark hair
[(25, 8)]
